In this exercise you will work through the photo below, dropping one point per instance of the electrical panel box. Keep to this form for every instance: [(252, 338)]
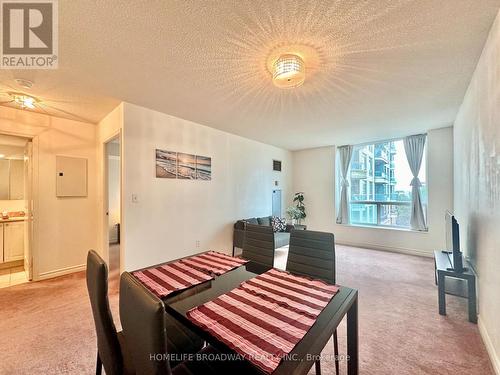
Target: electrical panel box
[(71, 176)]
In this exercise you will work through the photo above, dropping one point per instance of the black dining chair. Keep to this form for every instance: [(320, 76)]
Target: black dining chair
[(145, 327), (111, 348), (258, 244), (312, 254)]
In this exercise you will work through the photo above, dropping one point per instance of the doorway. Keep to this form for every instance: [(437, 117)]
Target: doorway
[(113, 209), (16, 207)]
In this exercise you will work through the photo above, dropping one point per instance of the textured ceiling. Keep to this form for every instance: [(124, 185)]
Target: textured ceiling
[(375, 68)]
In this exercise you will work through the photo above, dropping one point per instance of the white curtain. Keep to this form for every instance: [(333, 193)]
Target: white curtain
[(414, 148), (345, 153)]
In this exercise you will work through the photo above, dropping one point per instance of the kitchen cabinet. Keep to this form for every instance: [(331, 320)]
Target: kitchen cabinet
[(13, 241)]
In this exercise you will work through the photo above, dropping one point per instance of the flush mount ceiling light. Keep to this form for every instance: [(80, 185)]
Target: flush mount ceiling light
[(23, 100), (289, 71)]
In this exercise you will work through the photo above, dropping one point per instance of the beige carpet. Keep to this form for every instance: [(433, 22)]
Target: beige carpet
[(46, 327)]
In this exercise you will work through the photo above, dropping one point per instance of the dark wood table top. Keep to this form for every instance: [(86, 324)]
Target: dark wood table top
[(301, 358)]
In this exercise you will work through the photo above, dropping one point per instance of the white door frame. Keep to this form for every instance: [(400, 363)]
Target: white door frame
[(35, 197), (28, 196), (105, 200)]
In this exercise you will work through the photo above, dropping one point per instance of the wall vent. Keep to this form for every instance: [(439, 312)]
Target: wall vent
[(277, 165)]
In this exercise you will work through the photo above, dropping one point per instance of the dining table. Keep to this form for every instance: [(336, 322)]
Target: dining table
[(308, 349)]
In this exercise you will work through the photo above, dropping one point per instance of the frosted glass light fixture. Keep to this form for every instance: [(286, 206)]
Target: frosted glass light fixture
[(23, 100), (289, 71)]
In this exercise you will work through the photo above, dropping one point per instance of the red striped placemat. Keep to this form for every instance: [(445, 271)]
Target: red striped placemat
[(265, 317), (214, 262), (168, 278)]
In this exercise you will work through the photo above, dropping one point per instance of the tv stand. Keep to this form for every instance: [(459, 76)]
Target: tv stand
[(443, 271), (465, 269), (448, 253)]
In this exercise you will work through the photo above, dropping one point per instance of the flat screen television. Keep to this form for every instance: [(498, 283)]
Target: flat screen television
[(453, 243)]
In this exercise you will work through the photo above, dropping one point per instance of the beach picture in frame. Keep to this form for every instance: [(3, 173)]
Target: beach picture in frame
[(186, 166), (166, 164), (203, 168)]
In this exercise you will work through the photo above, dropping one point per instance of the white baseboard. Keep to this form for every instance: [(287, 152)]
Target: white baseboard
[(391, 249), (495, 361), (61, 272)]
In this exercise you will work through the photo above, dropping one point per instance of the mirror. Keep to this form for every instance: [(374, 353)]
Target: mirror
[(11, 179)]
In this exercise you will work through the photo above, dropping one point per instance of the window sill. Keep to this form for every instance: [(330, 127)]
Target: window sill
[(384, 228)]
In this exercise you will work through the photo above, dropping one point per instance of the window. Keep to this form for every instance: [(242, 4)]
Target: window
[(380, 191)]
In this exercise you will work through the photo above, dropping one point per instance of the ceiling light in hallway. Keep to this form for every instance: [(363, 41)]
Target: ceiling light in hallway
[(23, 100), (289, 71)]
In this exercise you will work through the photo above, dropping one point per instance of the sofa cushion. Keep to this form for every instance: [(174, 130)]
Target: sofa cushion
[(278, 224), (252, 220), (264, 221)]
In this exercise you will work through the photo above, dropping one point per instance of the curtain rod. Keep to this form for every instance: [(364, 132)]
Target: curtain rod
[(382, 141)]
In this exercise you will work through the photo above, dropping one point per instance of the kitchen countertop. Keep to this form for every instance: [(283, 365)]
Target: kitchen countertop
[(13, 219)]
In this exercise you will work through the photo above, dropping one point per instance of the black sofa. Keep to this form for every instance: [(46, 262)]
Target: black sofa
[(280, 238)]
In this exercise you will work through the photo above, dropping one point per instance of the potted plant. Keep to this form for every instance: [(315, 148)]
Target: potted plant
[(294, 214), (297, 212)]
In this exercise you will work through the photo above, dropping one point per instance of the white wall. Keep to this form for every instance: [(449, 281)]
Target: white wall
[(64, 227), (172, 214), (477, 185), (314, 174)]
